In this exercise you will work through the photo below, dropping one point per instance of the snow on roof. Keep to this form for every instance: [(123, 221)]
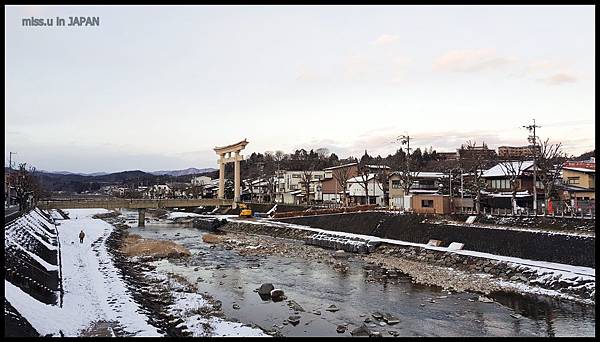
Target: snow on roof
[(424, 174), (339, 166), (422, 191), (509, 194), (500, 170), (359, 179), (378, 166), (579, 169)]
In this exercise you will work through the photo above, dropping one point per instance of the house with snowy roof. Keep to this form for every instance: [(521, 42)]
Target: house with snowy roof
[(579, 183)]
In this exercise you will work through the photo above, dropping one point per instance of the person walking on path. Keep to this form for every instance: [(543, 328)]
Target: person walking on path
[(81, 236)]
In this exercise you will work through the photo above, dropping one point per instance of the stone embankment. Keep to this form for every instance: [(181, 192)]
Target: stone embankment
[(447, 269), (348, 244), (565, 247), (573, 285)]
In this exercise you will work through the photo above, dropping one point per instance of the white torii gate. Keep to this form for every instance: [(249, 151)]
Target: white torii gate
[(227, 150)]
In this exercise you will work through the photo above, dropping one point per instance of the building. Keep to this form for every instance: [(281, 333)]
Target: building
[(498, 177), (579, 184), (258, 190), (476, 152), (518, 151), (447, 155), (431, 204), (289, 187), (357, 193), (160, 191), (200, 181), (424, 183), (499, 188), (331, 190)]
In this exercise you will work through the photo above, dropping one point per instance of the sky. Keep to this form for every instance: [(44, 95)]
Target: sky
[(158, 87)]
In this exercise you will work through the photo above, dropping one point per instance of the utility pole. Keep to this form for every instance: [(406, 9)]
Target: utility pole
[(9, 174), (533, 139)]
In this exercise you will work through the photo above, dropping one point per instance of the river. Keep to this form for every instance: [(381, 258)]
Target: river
[(422, 310)]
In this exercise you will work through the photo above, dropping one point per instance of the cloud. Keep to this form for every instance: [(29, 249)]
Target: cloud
[(559, 78), (471, 60), (543, 65), (386, 39)]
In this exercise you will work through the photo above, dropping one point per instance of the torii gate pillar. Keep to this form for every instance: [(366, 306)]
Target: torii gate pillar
[(224, 158)]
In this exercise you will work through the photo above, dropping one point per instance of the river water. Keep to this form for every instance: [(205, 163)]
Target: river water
[(231, 278)]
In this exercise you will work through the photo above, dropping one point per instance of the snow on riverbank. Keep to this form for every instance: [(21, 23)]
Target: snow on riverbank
[(187, 306), (176, 214), (93, 290), (576, 275), (551, 266)]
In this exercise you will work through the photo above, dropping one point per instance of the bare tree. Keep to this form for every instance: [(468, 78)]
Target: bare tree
[(513, 168), (268, 173), (549, 161), (322, 152), (364, 176), (342, 175), (308, 168), (474, 164), (27, 186)]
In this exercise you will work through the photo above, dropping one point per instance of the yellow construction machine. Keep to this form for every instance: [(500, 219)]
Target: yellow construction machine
[(246, 212)]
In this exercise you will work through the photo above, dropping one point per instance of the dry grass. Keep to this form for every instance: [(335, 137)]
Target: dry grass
[(211, 238), (134, 245)]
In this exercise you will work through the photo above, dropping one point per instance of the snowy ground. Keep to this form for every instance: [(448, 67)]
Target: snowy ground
[(187, 306), (93, 290), (176, 214)]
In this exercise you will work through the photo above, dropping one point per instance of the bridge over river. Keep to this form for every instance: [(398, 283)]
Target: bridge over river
[(140, 204)]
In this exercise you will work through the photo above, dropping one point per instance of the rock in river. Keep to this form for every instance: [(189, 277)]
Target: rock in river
[(294, 320), (363, 330), (390, 319), (485, 299), (295, 306), (276, 293), (332, 308), (377, 315), (265, 289), (341, 329)]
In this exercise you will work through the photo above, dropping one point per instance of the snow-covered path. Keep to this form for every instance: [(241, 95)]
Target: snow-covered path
[(93, 290)]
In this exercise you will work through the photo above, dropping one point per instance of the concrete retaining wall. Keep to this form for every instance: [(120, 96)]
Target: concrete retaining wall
[(560, 248)]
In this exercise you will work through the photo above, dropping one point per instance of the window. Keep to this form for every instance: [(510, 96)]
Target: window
[(573, 180), (296, 175), (500, 183), (396, 184), (427, 203)]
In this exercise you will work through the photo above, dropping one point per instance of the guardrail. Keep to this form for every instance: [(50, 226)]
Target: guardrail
[(132, 203), (589, 214)]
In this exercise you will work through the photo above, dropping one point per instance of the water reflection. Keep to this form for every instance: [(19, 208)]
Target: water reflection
[(231, 278)]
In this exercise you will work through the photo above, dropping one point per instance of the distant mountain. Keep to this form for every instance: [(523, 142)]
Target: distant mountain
[(184, 172), (64, 173), (97, 174)]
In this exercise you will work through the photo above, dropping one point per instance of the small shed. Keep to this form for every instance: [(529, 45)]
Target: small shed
[(431, 204)]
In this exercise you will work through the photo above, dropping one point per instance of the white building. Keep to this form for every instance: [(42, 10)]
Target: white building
[(289, 187), (357, 193), (201, 180)]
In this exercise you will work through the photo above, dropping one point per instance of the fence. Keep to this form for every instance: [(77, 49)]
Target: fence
[(587, 212)]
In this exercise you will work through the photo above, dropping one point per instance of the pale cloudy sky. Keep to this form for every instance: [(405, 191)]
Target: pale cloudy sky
[(158, 87)]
